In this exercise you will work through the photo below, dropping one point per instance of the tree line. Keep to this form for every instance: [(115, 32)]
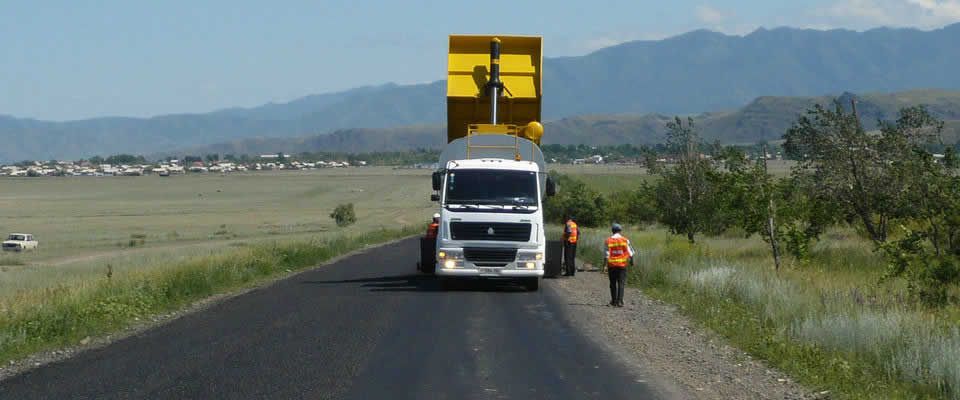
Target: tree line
[(888, 184)]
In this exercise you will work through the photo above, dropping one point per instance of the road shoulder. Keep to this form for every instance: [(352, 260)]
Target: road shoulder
[(652, 336)]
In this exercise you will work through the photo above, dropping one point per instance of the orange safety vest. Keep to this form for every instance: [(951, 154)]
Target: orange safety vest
[(432, 230), (619, 250), (574, 232)]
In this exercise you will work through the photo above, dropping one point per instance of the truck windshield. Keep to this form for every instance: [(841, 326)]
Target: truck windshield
[(16, 237), (492, 187)]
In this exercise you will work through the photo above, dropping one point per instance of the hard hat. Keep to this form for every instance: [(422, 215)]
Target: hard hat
[(436, 215), (616, 227)]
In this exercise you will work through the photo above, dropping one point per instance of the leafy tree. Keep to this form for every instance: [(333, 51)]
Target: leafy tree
[(753, 193), (650, 161), (125, 159), (846, 165), (636, 206), (344, 215), (928, 254), (575, 198), (688, 195)]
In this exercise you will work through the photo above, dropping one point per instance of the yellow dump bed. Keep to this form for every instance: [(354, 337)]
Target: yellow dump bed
[(521, 63)]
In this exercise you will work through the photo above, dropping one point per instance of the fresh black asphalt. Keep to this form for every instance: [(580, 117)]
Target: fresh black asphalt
[(365, 327)]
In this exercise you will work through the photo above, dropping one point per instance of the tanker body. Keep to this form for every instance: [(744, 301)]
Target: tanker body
[(492, 179)]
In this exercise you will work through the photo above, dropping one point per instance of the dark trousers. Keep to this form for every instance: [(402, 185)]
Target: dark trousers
[(618, 279), (570, 258)]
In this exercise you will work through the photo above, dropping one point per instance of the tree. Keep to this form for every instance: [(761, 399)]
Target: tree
[(117, 159), (688, 195), (753, 193), (650, 161), (928, 253), (344, 215), (846, 165), (575, 198), (634, 206)]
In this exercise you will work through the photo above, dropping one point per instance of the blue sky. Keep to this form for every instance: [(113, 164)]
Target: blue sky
[(75, 59)]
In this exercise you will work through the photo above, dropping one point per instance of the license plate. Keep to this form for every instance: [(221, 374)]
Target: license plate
[(488, 271)]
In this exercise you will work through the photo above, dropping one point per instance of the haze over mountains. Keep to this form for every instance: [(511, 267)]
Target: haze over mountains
[(687, 74), (765, 118)]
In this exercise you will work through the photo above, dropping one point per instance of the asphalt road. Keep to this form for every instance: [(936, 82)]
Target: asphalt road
[(366, 327)]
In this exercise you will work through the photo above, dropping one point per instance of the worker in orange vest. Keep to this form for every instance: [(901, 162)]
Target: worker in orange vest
[(571, 233), (434, 227), (618, 254)]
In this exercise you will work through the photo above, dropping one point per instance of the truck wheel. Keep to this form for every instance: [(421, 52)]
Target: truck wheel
[(532, 284)]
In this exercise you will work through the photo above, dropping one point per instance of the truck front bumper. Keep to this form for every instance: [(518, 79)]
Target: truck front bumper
[(490, 272)]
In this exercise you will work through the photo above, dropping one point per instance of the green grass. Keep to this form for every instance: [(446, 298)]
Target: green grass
[(6, 260), (55, 317), (117, 250), (612, 178), (829, 321), (134, 223), (79, 215)]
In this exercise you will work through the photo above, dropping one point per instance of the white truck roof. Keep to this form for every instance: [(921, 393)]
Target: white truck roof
[(493, 163)]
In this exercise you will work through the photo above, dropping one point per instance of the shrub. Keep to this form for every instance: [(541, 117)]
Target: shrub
[(577, 199), (344, 215)]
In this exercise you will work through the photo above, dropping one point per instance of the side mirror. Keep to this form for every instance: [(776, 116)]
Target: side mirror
[(434, 197), (437, 180), (551, 187)]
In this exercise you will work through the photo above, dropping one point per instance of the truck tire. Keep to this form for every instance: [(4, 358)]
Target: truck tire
[(531, 284), (553, 265), (428, 260)]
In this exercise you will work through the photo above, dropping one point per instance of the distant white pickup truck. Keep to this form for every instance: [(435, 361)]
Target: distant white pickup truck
[(20, 242)]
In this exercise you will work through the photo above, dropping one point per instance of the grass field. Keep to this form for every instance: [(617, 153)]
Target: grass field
[(830, 321), (608, 178), (86, 223)]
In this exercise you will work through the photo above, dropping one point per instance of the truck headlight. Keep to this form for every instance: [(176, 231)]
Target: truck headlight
[(450, 259)]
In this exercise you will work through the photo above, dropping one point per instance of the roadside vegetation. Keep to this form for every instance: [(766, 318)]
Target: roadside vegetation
[(117, 251), (46, 319), (843, 272)]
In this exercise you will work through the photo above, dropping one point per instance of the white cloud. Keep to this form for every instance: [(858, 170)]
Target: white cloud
[(864, 13), (945, 9), (710, 15)]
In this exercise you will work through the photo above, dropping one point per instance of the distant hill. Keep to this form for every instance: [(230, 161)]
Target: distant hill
[(765, 118), (686, 74)]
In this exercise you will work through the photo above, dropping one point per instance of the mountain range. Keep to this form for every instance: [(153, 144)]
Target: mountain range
[(765, 118), (685, 74)]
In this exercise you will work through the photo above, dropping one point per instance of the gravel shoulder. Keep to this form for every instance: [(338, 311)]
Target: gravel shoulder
[(656, 339)]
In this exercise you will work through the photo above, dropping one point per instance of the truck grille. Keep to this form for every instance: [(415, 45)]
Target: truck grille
[(489, 257), (510, 232)]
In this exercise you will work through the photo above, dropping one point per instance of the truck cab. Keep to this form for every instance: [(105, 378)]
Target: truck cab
[(491, 220)]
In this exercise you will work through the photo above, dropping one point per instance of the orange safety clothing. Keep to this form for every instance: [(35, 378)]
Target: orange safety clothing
[(572, 233), (618, 249)]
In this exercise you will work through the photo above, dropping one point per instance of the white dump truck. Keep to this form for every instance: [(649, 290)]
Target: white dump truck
[(492, 179)]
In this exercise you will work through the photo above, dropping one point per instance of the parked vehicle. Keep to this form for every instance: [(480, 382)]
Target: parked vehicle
[(20, 242)]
